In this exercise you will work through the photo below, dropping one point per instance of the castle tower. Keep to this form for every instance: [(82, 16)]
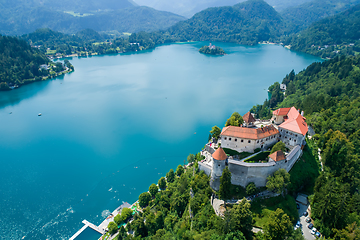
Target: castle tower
[(219, 162)]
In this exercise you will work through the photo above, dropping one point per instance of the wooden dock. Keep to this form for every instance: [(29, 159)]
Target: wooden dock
[(87, 224)]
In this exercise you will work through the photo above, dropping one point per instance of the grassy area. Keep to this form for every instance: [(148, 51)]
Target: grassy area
[(306, 170), (241, 155), (50, 52), (259, 157), (262, 208)]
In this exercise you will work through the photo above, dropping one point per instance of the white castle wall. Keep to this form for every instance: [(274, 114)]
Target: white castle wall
[(243, 173), (204, 167)]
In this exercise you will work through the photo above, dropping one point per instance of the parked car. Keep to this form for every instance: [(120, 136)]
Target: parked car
[(311, 226), (305, 213), (317, 234), (313, 231), (308, 220), (298, 224)]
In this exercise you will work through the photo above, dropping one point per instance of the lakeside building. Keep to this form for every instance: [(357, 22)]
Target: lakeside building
[(288, 125)]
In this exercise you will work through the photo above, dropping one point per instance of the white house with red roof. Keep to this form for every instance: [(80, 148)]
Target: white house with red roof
[(243, 139), (293, 126)]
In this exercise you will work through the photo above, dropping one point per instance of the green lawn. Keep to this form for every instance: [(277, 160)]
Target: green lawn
[(306, 170), (236, 153), (50, 52), (262, 209), (259, 157)]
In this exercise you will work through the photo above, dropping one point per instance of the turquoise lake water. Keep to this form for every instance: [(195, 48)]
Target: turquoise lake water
[(116, 125)]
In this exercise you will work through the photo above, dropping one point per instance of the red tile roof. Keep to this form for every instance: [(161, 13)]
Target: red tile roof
[(277, 156), (295, 122), (219, 154), (281, 111), (248, 117), (249, 133)]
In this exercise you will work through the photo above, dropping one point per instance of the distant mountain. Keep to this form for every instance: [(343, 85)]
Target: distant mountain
[(188, 8), (331, 36), (303, 15), (25, 16), (246, 23), (81, 6)]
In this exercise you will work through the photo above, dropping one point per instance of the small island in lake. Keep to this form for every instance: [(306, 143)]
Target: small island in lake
[(212, 50)]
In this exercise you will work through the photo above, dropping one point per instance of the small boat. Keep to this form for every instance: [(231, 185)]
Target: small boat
[(39, 114)]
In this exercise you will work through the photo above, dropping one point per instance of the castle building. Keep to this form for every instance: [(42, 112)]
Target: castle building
[(244, 139), (289, 127), (292, 128), (249, 120), (219, 163)]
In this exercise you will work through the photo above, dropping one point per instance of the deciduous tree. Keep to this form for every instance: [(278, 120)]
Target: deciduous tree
[(144, 199), (278, 181), (225, 184), (280, 226), (162, 183)]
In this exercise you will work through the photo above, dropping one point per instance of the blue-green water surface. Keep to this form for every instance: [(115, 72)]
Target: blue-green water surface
[(116, 125)]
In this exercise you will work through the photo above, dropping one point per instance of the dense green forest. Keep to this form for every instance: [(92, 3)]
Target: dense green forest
[(19, 62), (300, 17), (246, 23), (188, 8), (179, 207), (86, 42), (329, 94), (337, 35), (21, 19)]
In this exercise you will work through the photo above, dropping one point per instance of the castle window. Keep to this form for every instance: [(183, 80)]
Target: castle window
[(224, 138), (262, 140), (290, 133), (287, 132), (289, 138), (249, 141), (257, 141), (294, 140), (235, 139), (219, 165), (229, 139), (295, 135), (242, 140), (285, 136)]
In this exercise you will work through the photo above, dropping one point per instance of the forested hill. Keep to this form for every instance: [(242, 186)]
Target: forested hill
[(307, 13), (332, 36), (245, 23), (21, 19), (188, 8), (18, 61), (329, 94)]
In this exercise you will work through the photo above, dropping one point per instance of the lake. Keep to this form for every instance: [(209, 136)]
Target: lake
[(116, 125)]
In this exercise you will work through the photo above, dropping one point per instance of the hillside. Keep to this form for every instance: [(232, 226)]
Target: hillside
[(307, 13), (331, 36), (329, 94), (245, 23), (18, 62), (188, 8), (23, 19)]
